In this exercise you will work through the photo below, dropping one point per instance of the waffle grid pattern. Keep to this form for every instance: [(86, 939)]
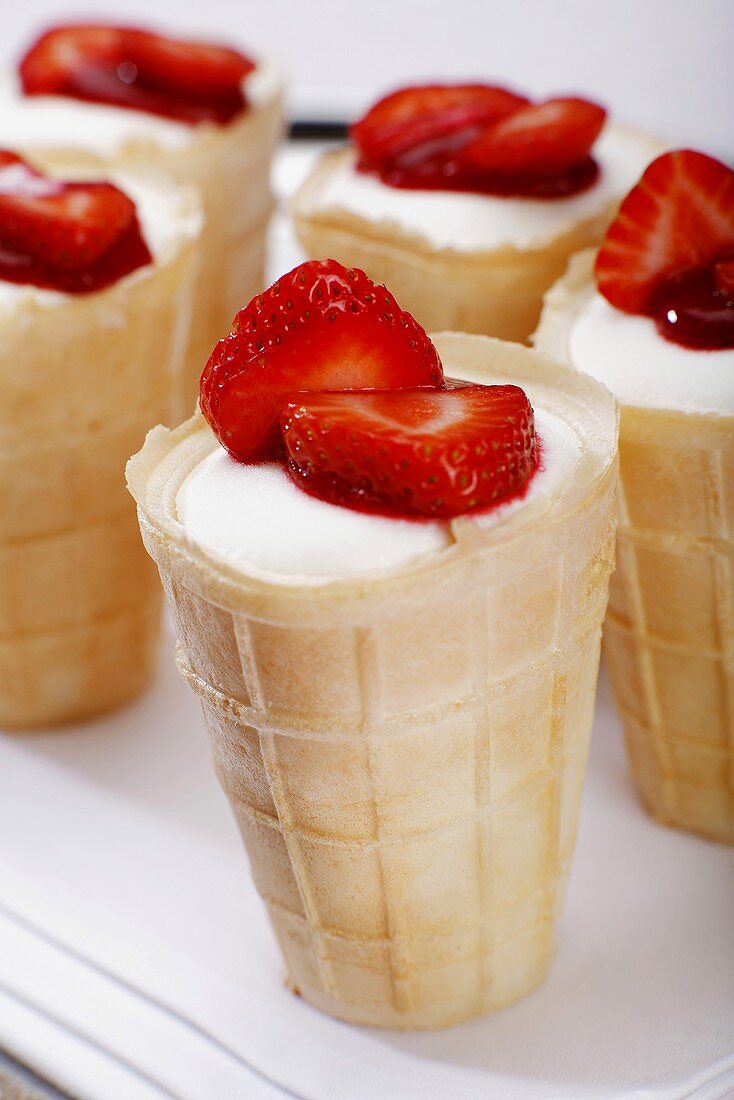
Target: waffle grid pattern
[(405, 754), (409, 814), (669, 637), (79, 601)]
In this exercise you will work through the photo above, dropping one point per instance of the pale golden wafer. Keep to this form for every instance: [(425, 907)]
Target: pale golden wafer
[(669, 635), (82, 378), (404, 755)]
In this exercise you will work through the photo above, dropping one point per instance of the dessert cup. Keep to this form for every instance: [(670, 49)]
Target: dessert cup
[(668, 633), (83, 376), (404, 753), (483, 282), (228, 164)]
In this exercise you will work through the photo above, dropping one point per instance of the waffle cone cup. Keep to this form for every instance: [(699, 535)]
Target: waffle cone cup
[(669, 635), (404, 754), (498, 291), (82, 377), (230, 168)]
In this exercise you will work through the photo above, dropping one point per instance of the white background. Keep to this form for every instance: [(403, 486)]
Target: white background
[(665, 64)]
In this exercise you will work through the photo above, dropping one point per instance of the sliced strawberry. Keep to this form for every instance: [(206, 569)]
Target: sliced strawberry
[(414, 117), (188, 81), (320, 327), (540, 138), (198, 67), (724, 276), (64, 225), (64, 56), (415, 452), (679, 217)]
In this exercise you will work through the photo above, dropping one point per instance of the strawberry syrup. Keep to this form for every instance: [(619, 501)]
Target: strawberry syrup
[(435, 174), (691, 310), (127, 254), (122, 85)]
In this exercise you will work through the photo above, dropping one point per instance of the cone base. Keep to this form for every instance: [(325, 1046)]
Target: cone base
[(447, 1009), (78, 673), (682, 780), (373, 985)]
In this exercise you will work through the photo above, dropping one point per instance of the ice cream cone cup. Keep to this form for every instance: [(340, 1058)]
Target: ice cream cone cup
[(83, 376), (669, 634), (404, 754), (230, 167), (497, 291)]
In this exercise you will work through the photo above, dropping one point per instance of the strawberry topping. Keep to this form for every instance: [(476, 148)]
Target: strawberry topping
[(74, 237), (543, 138), (191, 82), (412, 452), (409, 120), (321, 327), (480, 138), (325, 371), (669, 254), (724, 276)]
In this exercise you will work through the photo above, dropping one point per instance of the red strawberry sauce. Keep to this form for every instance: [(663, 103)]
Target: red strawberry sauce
[(691, 310), (435, 174), (127, 254)]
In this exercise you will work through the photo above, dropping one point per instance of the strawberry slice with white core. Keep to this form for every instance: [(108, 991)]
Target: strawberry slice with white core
[(540, 138), (320, 327), (63, 225), (678, 218), (412, 453), (414, 118)]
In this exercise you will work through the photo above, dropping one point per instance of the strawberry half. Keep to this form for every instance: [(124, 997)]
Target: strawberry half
[(64, 57), (320, 327), (679, 217), (188, 81), (415, 117), (193, 67), (63, 225), (416, 452), (540, 138)]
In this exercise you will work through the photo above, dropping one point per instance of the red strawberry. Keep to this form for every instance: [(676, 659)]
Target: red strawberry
[(680, 216), (198, 67), (63, 225), (413, 117), (63, 57), (541, 138), (189, 81), (416, 452), (320, 327), (724, 276)]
